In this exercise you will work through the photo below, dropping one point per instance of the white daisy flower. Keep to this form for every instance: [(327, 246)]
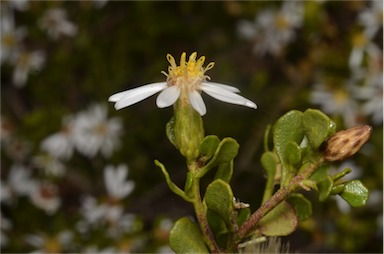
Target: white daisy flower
[(10, 36), (95, 132), (45, 196), (362, 44), (25, 62), (51, 165), (56, 24), (337, 101), (19, 183), (187, 80), (273, 29), (371, 18), (61, 144), (372, 94), (50, 243), (115, 181)]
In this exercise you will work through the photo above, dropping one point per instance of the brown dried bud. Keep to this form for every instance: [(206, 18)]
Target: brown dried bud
[(346, 143)]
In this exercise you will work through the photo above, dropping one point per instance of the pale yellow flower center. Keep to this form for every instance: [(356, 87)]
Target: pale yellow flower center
[(189, 74), (341, 96), (281, 22), (359, 40)]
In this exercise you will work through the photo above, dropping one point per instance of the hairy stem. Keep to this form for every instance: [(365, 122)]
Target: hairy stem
[(276, 199), (200, 212)]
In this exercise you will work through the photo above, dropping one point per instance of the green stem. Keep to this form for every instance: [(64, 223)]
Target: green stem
[(201, 215), (276, 199)]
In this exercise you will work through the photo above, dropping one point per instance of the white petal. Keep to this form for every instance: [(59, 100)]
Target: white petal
[(132, 96), (197, 102), (167, 97), (226, 87), (221, 94)]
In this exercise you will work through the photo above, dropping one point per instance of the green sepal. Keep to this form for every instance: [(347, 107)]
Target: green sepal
[(172, 186), (208, 147), (226, 151), (316, 126), (355, 193), (170, 131), (281, 221), (225, 171), (302, 206), (219, 199), (185, 237)]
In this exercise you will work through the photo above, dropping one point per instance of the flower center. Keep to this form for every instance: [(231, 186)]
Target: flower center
[(189, 74)]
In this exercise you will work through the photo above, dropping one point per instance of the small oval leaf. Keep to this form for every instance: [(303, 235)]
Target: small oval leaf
[(355, 193), (325, 188), (208, 146), (281, 221), (302, 206), (219, 198), (316, 126), (185, 237)]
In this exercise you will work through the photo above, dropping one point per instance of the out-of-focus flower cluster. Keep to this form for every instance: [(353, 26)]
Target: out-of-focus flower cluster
[(73, 176)]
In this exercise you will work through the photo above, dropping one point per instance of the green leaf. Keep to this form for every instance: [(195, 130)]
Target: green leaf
[(208, 146), (316, 126), (226, 151), (325, 188), (320, 173), (355, 193), (185, 237), (302, 206), (243, 215), (293, 153), (286, 130), (269, 162), (169, 130), (172, 186), (281, 221), (219, 198), (225, 171), (218, 228)]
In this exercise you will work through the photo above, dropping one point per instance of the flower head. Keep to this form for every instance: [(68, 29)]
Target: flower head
[(184, 82)]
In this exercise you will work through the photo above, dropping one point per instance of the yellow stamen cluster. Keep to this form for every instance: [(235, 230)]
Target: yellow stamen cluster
[(190, 72)]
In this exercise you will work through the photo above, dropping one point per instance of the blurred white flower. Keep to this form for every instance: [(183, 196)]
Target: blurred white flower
[(5, 225), (184, 82), (20, 5), (92, 212), (18, 183), (45, 196), (24, 63), (51, 165), (372, 94), (371, 18), (61, 145), (273, 29), (115, 182), (336, 101), (55, 22), (95, 132), (50, 243), (10, 36), (362, 44)]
